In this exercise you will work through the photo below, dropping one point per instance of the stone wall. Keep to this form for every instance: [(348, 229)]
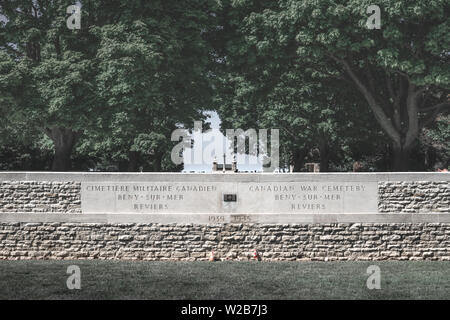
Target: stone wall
[(41, 218), (40, 196), (325, 242), (420, 196), (65, 197)]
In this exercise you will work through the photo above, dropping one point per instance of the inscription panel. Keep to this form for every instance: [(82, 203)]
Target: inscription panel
[(208, 197), (309, 197), (150, 197)]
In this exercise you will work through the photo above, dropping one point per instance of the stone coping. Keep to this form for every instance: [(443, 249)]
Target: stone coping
[(227, 218), (220, 177)]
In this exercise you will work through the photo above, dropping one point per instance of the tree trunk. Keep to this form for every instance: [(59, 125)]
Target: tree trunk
[(430, 158), (133, 161), (64, 140), (298, 161), (324, 155), (157, 162), (122, 165), (400, 161)]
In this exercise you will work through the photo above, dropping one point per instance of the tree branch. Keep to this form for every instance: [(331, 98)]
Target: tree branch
[(436, 110), (412, 108), (14, 51), (439, 106), (383, 120), (396, 98)]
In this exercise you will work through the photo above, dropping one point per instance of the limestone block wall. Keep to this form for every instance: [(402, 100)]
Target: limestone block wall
[(420, 196), (324, 242), (41, 218), (40, 196), (65, 196)]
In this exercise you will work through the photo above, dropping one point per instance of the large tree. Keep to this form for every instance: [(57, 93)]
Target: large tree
[(134, 72), (56, 66), (263, 84), (402, 71), (153, 74)]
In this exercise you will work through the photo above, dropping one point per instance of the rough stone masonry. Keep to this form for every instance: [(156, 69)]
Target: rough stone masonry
[(40, 196), (65, 197), (323, 242), (44, 194), (421, 196)]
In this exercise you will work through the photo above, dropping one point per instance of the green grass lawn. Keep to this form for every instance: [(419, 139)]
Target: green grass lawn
[(223, 280)]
